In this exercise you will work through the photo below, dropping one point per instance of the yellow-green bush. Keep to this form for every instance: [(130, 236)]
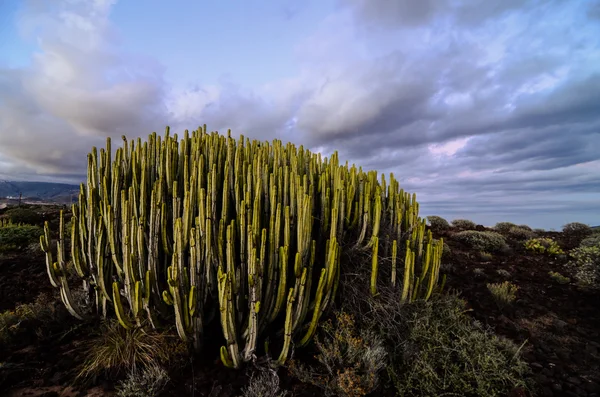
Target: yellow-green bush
[(543, 245), (559, 278), (504, 293)]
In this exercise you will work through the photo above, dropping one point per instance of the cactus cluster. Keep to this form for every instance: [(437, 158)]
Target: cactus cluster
[(252, 233)]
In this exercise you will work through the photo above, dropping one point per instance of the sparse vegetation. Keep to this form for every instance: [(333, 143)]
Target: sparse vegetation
[(504, 293), (503, 273)]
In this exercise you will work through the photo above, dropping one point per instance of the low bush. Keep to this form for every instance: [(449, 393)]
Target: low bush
[(519, 233), (504, 273), (585, 264), (23, 215), (575, 232), (18, 236), (543, 245), (439, 350), (147, 382), (263, 383), (591, 241), (350, 359), (482, 241), (438, 224), (504, 227), (559, 278), (504, 293), (464, 224), (38, 318)]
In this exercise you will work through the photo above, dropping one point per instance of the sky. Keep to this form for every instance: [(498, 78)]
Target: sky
[(488, 109)]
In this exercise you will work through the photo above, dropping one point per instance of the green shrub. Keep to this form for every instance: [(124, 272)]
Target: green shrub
[(543, 245), (586, 266), (504, 293), (482, 241), (147, 382), (38, 316), (23, 215), (575, 232), (504, 227), (438, 224), (518, 233), (464, 224), (439, 351), (350, 359), (591, 241), (265, 383), (13, 236), (559, 278)]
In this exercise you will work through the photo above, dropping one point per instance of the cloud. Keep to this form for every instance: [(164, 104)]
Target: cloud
[(77, 91), (482, 107)]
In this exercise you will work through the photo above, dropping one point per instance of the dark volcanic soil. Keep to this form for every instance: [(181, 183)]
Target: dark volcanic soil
[(560, 325)]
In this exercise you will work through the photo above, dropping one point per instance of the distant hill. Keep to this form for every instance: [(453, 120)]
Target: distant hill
[(38, 191)]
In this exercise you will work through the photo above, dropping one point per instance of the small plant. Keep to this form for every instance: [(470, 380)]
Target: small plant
[(586, 265), (438, 224), (478, 271), (519, 233), (464, 224), (559, 278), (147, 382), (265, 383), (543, 245), (504, 293), (575, 232), (39, 316), (116, 349), (503, 273), (483, 241), (591, 241), (351, 359), (504, 227)]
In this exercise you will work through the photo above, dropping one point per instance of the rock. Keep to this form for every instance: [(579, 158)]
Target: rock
[(574, 380), (592, 387), (546, 392), (560, 325), (536, 366), (557, 387)]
